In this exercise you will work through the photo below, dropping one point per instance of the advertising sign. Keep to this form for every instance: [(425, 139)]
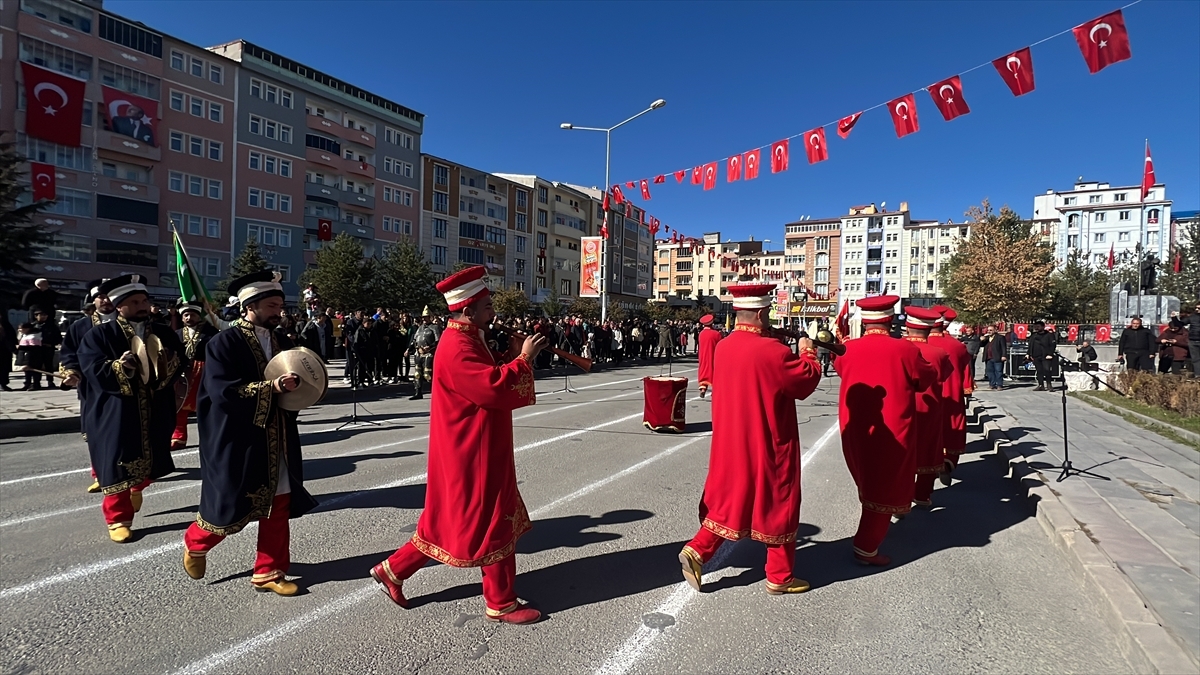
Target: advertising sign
[(589, 267)]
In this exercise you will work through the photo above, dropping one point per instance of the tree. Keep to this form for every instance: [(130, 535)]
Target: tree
[(617, 313), (551, 305), (341, 274), (402, 279), (1079, 292), (21, 239), (511, 302), (658, 311), (1184, 284), (1002, 271), (588, 308), (248, 261)]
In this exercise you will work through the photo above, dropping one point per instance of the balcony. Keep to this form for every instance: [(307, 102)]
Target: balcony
[(485, 195), (341, 164), (334, 129), (342, 196), (107, 140), (127, 188), (874, 277), (311, 225), (874, 244)]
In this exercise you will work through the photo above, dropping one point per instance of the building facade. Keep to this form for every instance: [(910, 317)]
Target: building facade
[(928, 246), (629, 252), (1095, 218), (812, 266)]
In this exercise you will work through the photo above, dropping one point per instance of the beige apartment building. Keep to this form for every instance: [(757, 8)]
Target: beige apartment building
[(562, 215)]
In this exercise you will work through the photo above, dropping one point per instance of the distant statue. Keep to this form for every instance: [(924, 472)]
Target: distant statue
[(1149, 273)]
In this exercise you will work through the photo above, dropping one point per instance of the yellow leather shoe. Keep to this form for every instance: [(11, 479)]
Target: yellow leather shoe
[(94, 487), (119, 533), (692, 568), (194, 564), (135, 498), (280, 586), (793, 586)]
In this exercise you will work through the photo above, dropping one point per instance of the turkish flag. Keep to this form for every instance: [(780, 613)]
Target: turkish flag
[(1103, 41), (1111, 256), (42, 177), (1103, 333), (846, 124), (654, 224), (324, 229), (53, 105), (733, 169), (779, 156), (1147, 173), (1016, 69), (604, 203), (814, 145), (1177, 264), (710, 175), (698, 175), (133, 116), (645, 189), (618, 196), (904, 115), (750, 161), (631, 185), (680, 175), (948, 97), (628, 209), (1073, 332), (1021, 330), (660, 179), (604, 226)]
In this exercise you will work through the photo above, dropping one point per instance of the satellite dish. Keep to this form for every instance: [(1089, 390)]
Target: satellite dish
[(882, 206)]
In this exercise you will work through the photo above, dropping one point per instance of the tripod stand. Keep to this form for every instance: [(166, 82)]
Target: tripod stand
[(566, 388), (1068, 469), (354, 421)]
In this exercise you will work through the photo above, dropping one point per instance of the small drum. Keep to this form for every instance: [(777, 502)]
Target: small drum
[(666, 403)]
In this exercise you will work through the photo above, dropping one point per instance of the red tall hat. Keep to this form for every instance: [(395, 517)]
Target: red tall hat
[(877, 309), (921, 317), (464, 287), (751, 296), (942, 310)]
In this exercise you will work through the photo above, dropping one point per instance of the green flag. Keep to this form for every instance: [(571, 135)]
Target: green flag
[(191, 286)]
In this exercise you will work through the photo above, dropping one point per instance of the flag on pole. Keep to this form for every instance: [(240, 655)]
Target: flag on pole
[(1112, 258), (191, 286), (1147, 173)]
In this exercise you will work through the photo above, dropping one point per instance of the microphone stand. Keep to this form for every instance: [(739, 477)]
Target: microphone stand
[(566, 388), (354, 420), (1068, 469)]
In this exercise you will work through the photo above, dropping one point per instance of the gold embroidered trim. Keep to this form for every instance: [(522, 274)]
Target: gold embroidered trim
[(263, 391), (67, 372), (267, 577), (521, 525), (122, 379), (387, 569), (884, 508), (876, 331), (138, 470), (524, 386), (734, 535), (466, 328), (748, 329), (923, 470), (915, 338), (501, 612)]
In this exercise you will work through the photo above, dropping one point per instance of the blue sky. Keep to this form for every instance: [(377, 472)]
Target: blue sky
[(496, 79)]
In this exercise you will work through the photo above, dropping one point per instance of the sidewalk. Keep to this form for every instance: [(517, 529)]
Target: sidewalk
[(1135, 538)]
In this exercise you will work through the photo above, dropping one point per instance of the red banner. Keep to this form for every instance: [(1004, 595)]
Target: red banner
[(1073, 332), (324, 229), (53, 105), (1103, 333), (130, 115), (42, 177), (589, 267), (1021, 330)]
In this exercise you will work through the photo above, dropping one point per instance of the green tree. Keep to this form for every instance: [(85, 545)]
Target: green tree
[(511, 302), (1002, 271), (341, 274), (402, 279), (1079, 292), (588, 308), (658, 311), (1184, 284), (617, 313), (21, 239), (552, 306), (248, 261)]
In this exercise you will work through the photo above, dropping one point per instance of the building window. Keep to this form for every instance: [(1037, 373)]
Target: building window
[(128, 35), (1119, 197), (441, 175), (176, 101), (437, 255), (197, 66), (212, 227), (1098, 238), (270, 236), (195, 186), (132, 81), (271, 129), (1099, 217), (441, 202), (68, 247), (1123, 215), (59, 155), (522, 199), (1068, 201), (216, 73), (542, 218), (1094, 199), (193, 225), (176, 142), (543, 196), (214, 189), (520, 241), (1123, 236), (522, 222), (175, 181), (469, 230), (215, 112), (439, 228), (197, 107), (564, 287), (196, 146), (214, 150)]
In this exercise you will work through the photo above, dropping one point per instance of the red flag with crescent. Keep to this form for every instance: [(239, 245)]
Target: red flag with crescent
[(698, 175), (680, 175), (42, 176), (779, 156), (631, 185), (733, 169), (645, 189), (618, 196), (1021, 330), (846, 124), (628, 209), (814, 145), (750, 162), (604, 203), (660, 179), (1103, 41), (710, 175), (1073, 332), (324, 229), (1147, 173), (654, 225), (1112, 258), (904, 115), (948, 97), (1016, 69), (1103, 332), (53, 105), (130, 115)]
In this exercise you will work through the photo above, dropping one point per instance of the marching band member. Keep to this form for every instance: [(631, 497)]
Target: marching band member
[(129, 367), (753, 485), (195, 334), (709, 337), (250, 460), (880, 379), (68, 354), (929, 416), (473, 511), (958, 387)]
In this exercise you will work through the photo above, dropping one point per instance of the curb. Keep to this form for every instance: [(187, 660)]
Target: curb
[(57, 425), (1190, 436), (1143, 641)]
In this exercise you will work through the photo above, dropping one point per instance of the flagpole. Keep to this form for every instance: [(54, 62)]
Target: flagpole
[(212, 315)]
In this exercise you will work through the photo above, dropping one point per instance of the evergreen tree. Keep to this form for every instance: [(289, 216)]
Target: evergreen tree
[(342, 275), (402, 279), (551, 305), (1079, 292), (248, 261), (21, 239)]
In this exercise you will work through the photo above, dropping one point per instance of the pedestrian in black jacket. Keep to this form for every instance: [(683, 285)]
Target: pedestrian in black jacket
[(970, 340), (1137, 347), (995, 353), (1043, 346), (51, 337)]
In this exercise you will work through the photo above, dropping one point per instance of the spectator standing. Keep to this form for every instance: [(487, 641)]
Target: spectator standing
[(995, 352), (43, 323), (1043, 349), (29, 355), (379, 346), (8, 347), (1192, 321), (398, 337), (350, 327), (1173, 350), (364, 354), (1136, 347), (41, 295), (316, 336), (970, 340)]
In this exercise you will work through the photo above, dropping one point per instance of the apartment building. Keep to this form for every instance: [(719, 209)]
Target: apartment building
[(705, 268), (311, 148), (630, 252), (155, 147), (812, 266), (929, 245), (472, 217), (1094, 218)]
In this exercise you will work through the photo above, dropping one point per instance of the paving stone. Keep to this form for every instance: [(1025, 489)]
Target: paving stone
[(1175, 597)]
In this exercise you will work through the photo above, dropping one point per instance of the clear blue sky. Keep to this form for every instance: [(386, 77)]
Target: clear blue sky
[(496, 79)]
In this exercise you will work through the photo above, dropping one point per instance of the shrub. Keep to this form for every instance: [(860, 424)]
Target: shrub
[(1170, 392)]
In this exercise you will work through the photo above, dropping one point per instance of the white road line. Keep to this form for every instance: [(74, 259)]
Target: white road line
[(98, 567), (91, 507), (629, 653), (251, 645)]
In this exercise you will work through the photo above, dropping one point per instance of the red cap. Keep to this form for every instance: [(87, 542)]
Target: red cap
[(877, 309), (949, 315), (706, 320), (921, 317), (464, 287), (751, 296)]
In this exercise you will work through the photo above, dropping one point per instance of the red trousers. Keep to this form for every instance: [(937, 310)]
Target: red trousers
[(924, 487), (181, 421), (952, 456), (872, 528), (781, 558), (274, 542), (117, 507), (499, 579)]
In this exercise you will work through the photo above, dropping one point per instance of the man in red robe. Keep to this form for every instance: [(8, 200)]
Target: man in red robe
[(473, 511), (958, 387), (880, 379), (709, 337), (753, 485), (928, 448)]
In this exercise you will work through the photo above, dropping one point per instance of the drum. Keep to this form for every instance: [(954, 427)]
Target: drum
[(666, 403), (314, 380)]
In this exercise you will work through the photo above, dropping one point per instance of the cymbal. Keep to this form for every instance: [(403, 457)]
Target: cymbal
[(314, 378)]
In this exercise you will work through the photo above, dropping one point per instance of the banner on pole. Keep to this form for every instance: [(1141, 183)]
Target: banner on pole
[(589, 267)]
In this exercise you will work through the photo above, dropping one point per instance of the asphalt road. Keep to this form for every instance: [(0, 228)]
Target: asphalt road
[(975, 586)]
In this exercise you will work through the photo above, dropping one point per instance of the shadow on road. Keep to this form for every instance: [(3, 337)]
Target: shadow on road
[(330, 467)]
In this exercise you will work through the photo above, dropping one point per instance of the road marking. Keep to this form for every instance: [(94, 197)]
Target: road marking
[(90, 507), (354, 597), (98, 567), (629, 653)]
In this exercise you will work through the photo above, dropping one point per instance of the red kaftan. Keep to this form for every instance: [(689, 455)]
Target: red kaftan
[(954, 434), (473, 512), (928, 449), (880, 378), (753, 486), (709, 337)]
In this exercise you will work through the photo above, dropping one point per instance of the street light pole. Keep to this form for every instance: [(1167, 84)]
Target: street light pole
[(607, 166)]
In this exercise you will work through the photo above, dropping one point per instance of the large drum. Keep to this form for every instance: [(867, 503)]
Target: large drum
[(666, 403)]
